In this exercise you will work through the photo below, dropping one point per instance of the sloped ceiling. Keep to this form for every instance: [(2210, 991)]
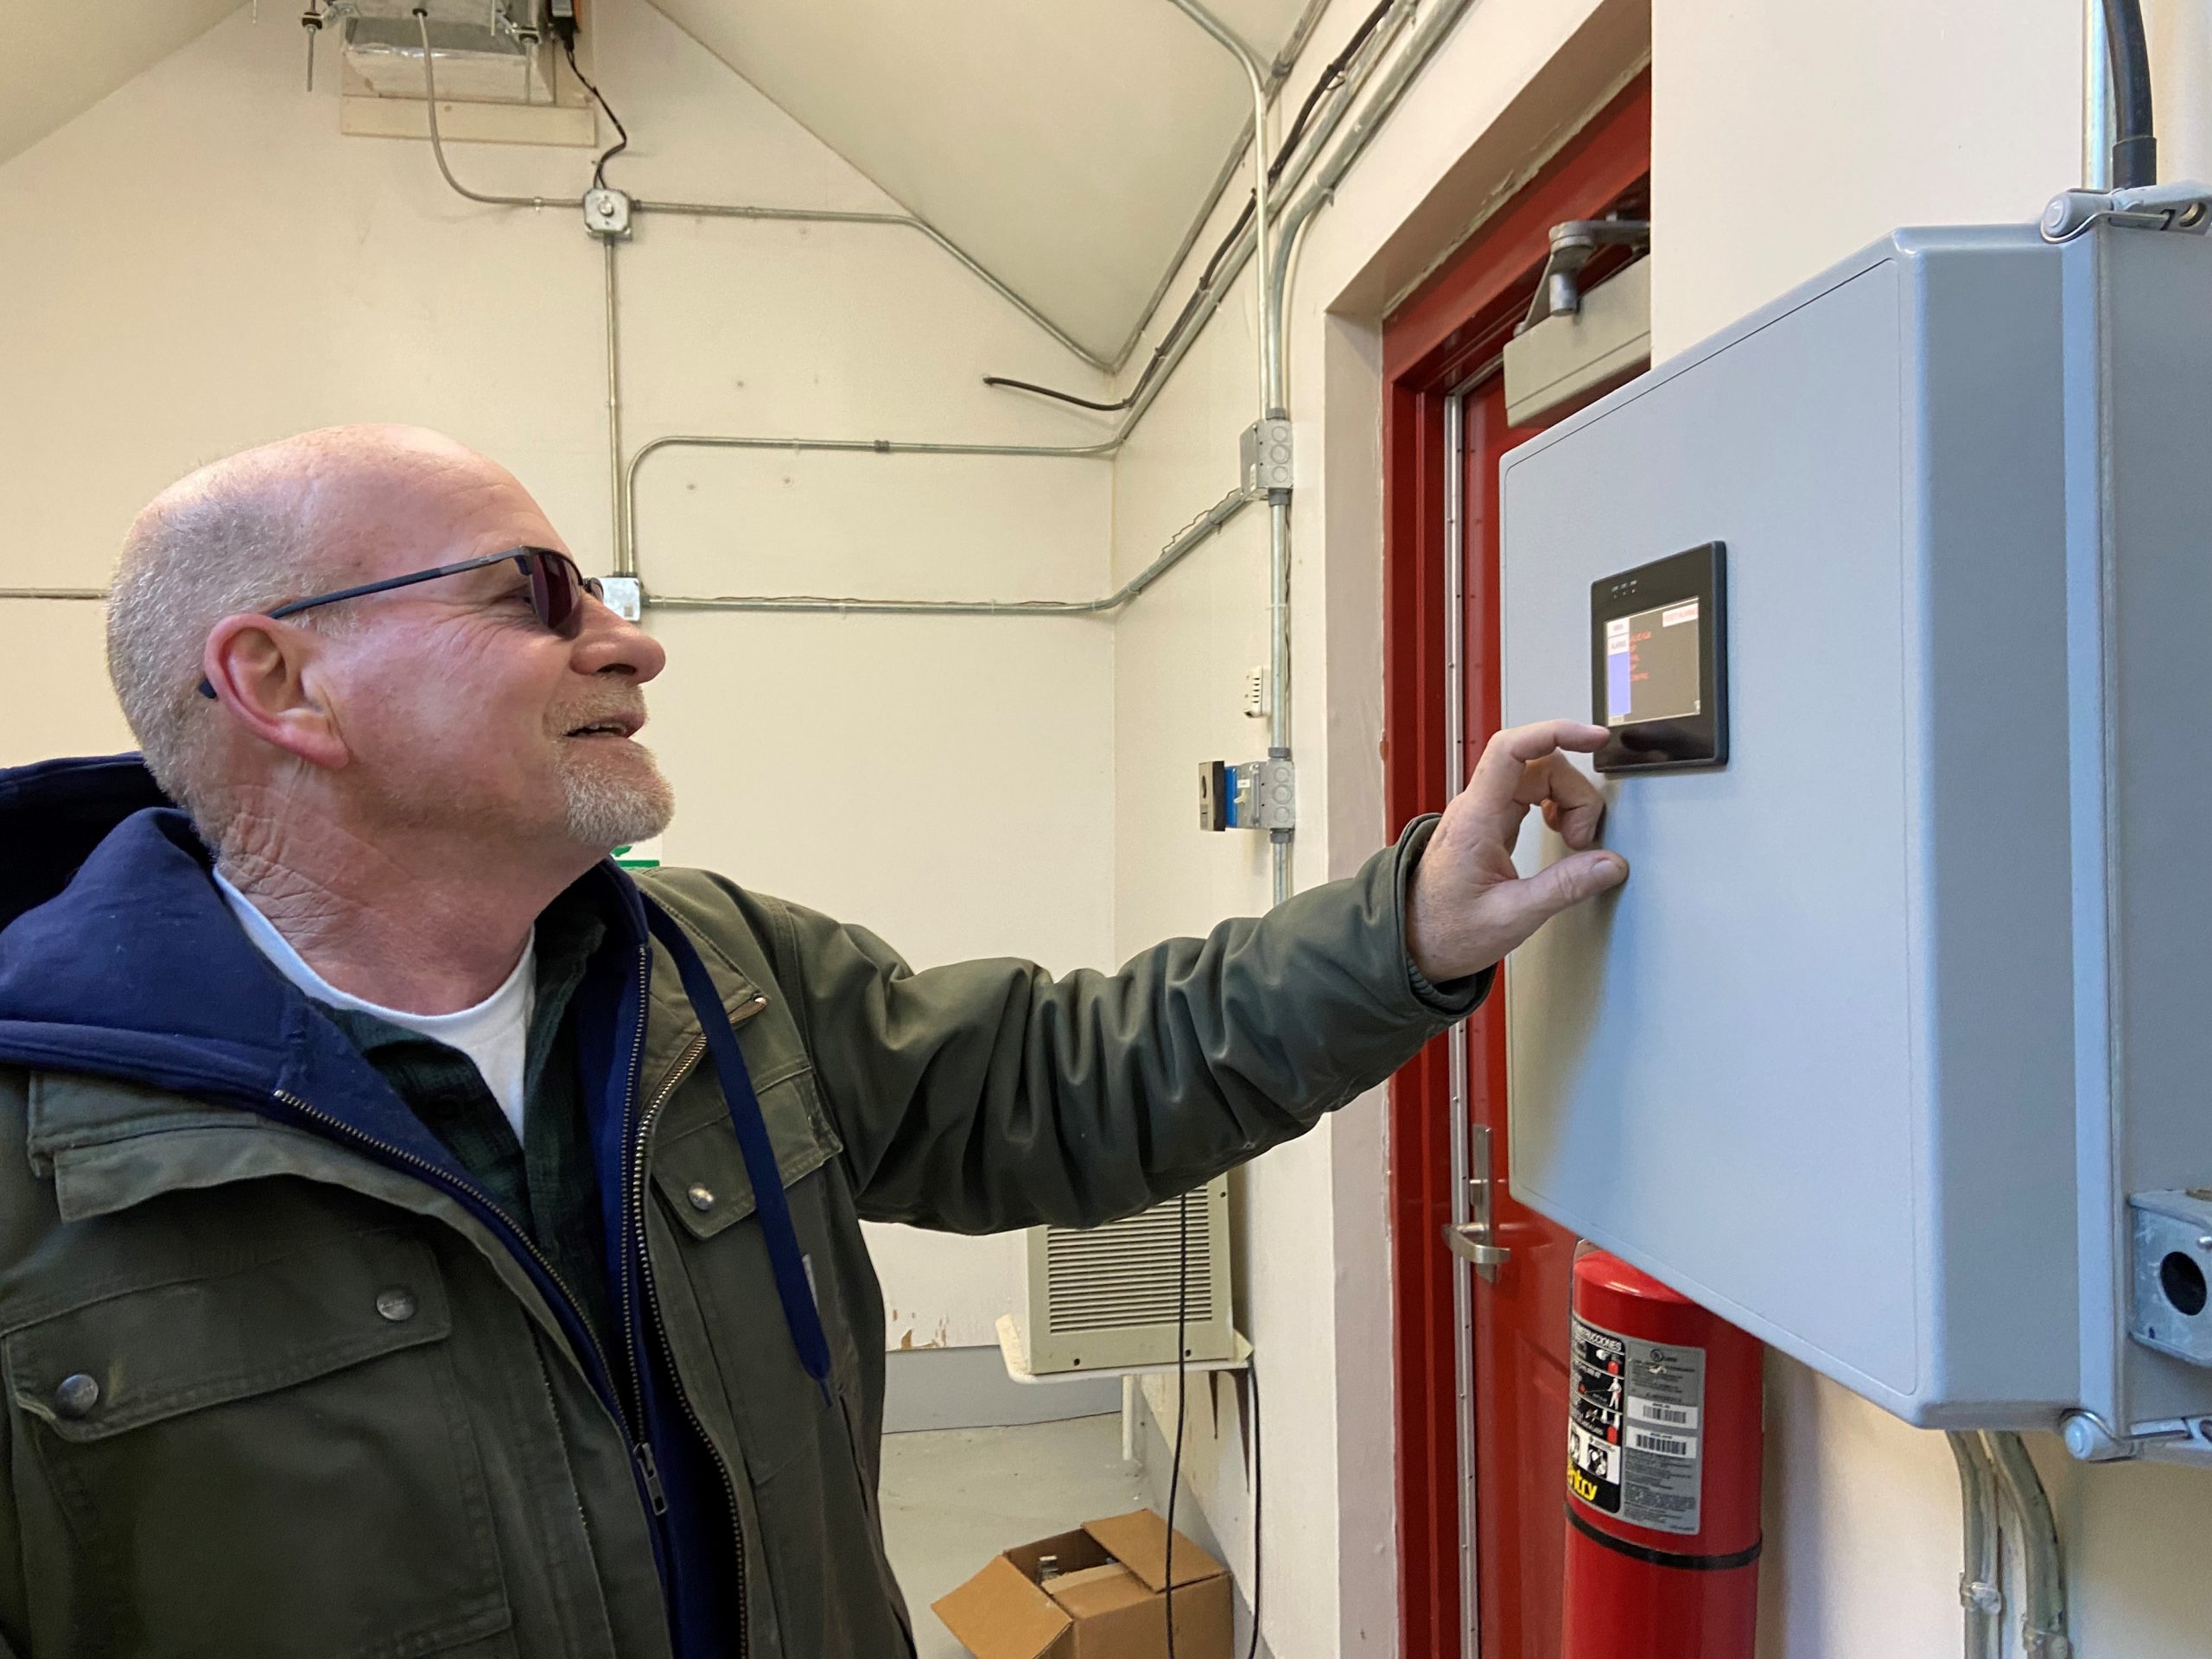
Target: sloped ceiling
[(61, 57), (1065, 144)]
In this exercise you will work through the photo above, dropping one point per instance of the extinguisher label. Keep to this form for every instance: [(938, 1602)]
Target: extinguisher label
[(1635, 1430)]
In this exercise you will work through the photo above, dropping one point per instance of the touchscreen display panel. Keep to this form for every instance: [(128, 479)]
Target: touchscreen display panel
[(1653, 667)]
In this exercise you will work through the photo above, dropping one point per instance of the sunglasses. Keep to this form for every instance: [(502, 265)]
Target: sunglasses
[(557, 590)]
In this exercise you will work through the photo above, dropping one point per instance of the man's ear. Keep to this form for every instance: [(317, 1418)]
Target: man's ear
[(259, 672)]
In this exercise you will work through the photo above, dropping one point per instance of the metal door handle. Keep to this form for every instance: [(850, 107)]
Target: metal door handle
[(1476, 1239), (1472, 1242)]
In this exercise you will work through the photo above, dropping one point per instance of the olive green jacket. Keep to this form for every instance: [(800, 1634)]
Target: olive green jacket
[(267, 1396)]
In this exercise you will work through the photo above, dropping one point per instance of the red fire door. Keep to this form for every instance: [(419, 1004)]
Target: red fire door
[(1482, 1357)]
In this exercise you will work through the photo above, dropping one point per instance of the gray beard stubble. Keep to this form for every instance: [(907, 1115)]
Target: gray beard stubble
[(608, 812)]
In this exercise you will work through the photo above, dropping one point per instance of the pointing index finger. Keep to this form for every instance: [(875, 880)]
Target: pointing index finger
[(1495, 785)]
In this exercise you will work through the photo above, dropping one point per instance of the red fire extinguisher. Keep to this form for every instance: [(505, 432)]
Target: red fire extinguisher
[(1664, 1431)]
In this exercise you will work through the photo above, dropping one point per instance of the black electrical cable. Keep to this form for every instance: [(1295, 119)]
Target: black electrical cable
[(622, 133), (1064, 396), (1175, 1464), (1182, 1399), (2135, 150), (1259, 1581), (1331, 77)]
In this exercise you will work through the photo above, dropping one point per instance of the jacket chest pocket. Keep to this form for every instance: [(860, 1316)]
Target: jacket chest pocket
[(707, 1193), (272, 1464)]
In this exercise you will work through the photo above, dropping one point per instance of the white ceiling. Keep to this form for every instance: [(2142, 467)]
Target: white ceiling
[(1065, 144), (63, 56)]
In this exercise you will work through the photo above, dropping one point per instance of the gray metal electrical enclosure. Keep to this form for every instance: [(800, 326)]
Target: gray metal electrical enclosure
[(1905, 1000)]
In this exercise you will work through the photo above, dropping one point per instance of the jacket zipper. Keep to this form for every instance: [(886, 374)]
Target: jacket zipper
[(641, 1452), (400, 1154), (640, 1447), (640, 1253)]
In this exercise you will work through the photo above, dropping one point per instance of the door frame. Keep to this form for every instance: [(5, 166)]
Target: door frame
[(1456, 322)]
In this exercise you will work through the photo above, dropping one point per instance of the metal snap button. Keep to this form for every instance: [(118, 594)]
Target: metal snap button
[(397, 1304), (76, 1397), (703, 1197)]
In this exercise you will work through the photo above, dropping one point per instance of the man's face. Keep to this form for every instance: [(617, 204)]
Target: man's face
[(459, 709)]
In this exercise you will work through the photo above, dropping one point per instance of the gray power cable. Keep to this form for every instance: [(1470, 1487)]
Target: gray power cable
[(437, 142)]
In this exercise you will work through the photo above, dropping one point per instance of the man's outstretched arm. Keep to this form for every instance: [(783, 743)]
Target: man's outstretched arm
[(989, 1095)]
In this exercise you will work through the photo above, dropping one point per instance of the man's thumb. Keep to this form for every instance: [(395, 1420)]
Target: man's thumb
[(1565, 883)]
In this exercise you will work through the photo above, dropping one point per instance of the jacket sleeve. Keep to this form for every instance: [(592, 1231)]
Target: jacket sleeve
[(988, 1094)]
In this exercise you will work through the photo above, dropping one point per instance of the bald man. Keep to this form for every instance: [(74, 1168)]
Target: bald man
[(419, 1237)]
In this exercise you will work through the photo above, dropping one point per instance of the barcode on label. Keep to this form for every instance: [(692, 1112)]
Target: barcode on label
[(1644, 1409), (1667, 1445)]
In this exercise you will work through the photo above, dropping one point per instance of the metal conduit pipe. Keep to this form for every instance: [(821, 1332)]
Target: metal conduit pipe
[(2097, 98), (1274, 273), (626, 513), (1178, 548), (1270, 366), (614, 409), (1980, 1587), (437, 144), (1274, 279), (1279, 672), (2043, 1573), (898, 221), (1376, 112), (712, 210), (1275, 283), (1104, 449)]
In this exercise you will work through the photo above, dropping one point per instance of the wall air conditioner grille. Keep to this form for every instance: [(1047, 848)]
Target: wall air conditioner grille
[(1102, 1299), (1125, 1273)]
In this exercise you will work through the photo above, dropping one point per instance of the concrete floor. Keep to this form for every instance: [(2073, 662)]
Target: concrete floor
[(952, 1498)]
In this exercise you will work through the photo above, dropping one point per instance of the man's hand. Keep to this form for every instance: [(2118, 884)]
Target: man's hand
[(1469, 906)]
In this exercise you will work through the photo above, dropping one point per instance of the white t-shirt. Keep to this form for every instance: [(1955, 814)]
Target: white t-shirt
[(495, 1034)]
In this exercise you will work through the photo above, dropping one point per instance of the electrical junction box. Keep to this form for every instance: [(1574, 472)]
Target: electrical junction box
[(1264, 458), (1905, 998)]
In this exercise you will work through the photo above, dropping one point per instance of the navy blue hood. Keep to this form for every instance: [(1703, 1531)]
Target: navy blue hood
[(119, 957), (52, 814)]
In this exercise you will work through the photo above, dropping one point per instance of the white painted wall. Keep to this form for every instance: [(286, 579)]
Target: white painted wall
[(1784, 137), (201, 263)]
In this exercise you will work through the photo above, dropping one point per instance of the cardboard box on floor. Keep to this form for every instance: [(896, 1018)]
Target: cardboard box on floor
[(1107, 1601)]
